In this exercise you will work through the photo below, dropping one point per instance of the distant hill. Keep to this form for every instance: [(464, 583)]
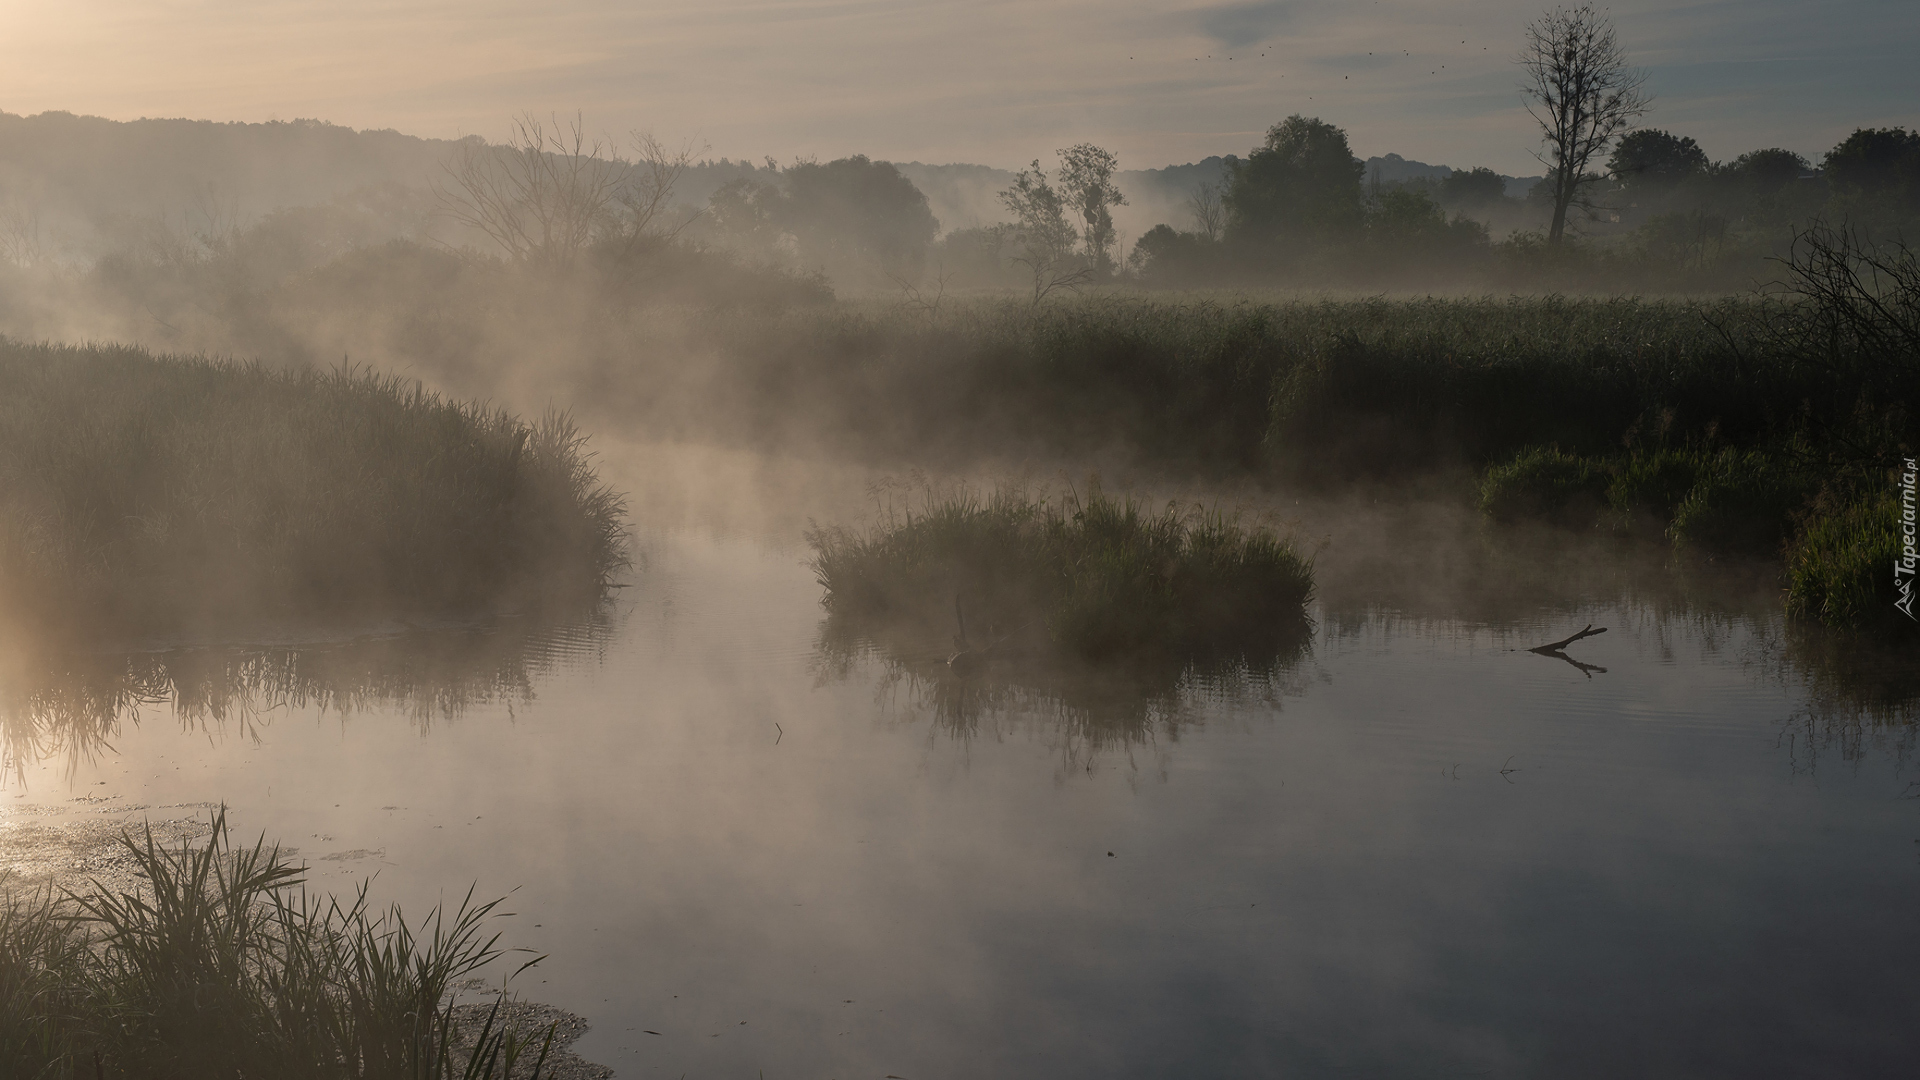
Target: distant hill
[(88, 164), (81, 177), (1393, 169)]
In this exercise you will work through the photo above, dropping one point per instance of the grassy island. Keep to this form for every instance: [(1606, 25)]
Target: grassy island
[(143, 493), (1097, 579)]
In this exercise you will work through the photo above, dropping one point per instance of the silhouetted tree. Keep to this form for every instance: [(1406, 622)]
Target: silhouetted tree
[(1165, 255), (645, 197), (744, 211), (1877, 165), (1655, 158), (1404, 220), (1582, 93), (1302, 183), (1045, 241), (551, 191), (543, 197), (854, 209), (1768, 170), (1472, 189), (1209, 213), (1086, 183)]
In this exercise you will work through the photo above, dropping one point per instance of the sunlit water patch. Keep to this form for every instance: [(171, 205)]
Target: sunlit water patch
[(1413, 848)]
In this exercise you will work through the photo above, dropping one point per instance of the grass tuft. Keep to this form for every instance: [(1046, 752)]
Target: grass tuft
[(1840, 568), (223, 966), (1097, 579)]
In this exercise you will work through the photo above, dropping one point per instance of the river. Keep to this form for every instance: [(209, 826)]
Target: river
[(749, 847)]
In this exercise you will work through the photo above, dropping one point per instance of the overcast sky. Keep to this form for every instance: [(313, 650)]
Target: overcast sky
[(984, 81)]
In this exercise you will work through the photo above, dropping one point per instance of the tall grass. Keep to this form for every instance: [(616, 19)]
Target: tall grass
[(150, 492), (1840, 568), (1319, 390), (221, 966), (1097, 578), (1813, 482)]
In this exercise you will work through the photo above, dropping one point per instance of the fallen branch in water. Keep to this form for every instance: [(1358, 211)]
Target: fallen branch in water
[(1564, 642)]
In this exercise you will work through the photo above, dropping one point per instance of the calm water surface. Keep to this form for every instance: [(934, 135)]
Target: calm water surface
[(1414, 850)]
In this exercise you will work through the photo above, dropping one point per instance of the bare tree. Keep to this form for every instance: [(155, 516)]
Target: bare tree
[(646, 193), (1045, 238), (20, 238), (214, 219), (543, 197), (1582, 93), (1209, 213)]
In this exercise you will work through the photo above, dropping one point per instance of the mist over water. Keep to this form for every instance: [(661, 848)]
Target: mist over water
[(465, 515), (1414, 846)]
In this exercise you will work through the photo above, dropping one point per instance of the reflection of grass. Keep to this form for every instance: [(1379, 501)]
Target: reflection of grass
[(219, 966), (1085, 707), (146, 492), (1862, 688), (1095, 579), (73, 704)]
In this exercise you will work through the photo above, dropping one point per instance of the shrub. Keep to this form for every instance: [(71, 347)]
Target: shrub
[(1545, 483), (1651, 484), (1742, 502)]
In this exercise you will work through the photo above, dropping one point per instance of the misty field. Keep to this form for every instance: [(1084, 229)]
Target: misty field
[(1805, 390), (146, 493)]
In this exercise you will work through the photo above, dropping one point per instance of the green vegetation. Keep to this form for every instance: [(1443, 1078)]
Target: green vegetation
[(147, 493), (1098, 579), (1839, 569), (1724, 500), (220, 966)]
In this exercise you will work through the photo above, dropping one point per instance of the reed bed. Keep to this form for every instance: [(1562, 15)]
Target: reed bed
[(223, 966), (149, 492), (1322, 391), (1097, 579)]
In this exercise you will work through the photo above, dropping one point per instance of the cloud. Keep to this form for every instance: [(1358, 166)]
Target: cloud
[(1235, 25)]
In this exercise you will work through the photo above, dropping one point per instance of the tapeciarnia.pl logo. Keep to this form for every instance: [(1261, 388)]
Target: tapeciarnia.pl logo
[(1903, 567)]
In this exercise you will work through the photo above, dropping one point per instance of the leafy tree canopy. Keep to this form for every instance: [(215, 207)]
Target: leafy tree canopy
[(1303, 181), (1654, 157), (856, 205), (1877, 163), (1769, 169), (1472, 188)]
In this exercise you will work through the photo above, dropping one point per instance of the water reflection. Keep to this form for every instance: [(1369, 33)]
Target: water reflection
[(72, 706), (1082, 709), (1861, 693)]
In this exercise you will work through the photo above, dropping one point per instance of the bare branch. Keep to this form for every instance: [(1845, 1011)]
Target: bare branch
[(1556, 646), (543, 197)]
